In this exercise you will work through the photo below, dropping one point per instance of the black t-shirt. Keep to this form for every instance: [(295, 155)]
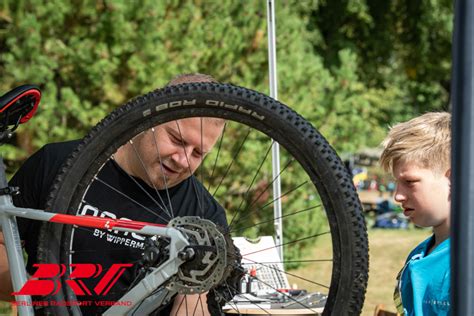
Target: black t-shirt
[(114, 194)]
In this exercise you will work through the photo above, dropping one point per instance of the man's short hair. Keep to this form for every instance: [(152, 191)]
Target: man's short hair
[(196, 77), (189, 78), (424, 140)]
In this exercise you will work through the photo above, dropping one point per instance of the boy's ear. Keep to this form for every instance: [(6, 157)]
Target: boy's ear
[(448, 175)]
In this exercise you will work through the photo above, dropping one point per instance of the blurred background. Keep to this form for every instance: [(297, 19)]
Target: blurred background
[(351, 67)]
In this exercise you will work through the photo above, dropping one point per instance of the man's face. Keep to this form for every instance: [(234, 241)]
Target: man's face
[(424, 195), (170, 153)]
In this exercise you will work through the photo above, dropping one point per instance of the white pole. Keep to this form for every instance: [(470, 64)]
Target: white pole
[(277, 222)]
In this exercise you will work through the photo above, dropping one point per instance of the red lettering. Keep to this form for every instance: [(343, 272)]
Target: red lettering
[(111, 277), (50, 283), (43, 287), (82, 271)]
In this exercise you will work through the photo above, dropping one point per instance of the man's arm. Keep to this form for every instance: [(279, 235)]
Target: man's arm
[(6, 289), (190, 305)]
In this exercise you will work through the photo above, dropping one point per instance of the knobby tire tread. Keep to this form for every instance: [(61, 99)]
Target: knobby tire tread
[(348, 218)]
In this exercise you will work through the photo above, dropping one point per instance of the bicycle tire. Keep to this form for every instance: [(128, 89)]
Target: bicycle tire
[(302, 141)]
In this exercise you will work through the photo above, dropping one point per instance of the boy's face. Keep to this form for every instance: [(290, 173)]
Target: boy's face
[(424, 195)]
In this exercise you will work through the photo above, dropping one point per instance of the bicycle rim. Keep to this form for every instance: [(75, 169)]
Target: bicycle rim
[(324, 237)]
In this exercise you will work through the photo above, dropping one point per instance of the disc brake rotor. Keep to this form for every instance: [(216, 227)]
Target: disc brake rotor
[(209, 260)]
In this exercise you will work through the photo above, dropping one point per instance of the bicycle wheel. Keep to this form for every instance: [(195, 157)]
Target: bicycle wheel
[(325, 250)]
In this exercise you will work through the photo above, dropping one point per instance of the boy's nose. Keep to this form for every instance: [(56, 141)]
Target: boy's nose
[(399, 196)]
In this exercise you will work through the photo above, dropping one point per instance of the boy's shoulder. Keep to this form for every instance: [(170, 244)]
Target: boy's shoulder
[(421, 250), (425, 280)]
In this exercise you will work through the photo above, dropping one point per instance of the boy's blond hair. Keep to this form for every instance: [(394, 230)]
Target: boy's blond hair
[(425, 140)]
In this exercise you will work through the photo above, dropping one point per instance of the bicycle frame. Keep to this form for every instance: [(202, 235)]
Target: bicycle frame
[(142, 302)]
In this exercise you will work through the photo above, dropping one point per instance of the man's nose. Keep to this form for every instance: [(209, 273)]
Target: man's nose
[(181, 158)]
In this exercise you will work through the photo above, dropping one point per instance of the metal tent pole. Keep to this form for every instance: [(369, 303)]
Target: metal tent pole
[(277, 221), (462, 192)]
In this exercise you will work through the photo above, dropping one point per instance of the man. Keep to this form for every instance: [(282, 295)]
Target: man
[(154, 170)]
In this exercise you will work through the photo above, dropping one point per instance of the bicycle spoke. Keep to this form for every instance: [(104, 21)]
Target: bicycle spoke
[(285, 261), (265, 190), (217, 156), (284, 294), (221, 297), (133, 200), (149, 179), (200, 302), (284, 194), (296, 261), (189, 168), (255, 176), (287, 243), (288, 273), (197, 304), (165, 181), (202, 155), (269, 203), (271, 220), (228, 287), (236, 154), (180, 304), (186, 304), (256, 304)]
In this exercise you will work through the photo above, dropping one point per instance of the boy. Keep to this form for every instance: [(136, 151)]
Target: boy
[(418, 153)]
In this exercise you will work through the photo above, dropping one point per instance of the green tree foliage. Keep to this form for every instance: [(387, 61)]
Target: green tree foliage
[(407, 40), (350, 66)]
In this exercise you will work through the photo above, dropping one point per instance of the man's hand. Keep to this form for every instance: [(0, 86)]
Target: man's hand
[(5, 280)]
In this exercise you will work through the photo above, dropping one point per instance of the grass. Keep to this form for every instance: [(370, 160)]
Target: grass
[(388, 251), (5, 309)]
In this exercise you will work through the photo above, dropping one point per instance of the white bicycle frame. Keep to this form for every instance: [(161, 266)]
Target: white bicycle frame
[(143, 302)]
